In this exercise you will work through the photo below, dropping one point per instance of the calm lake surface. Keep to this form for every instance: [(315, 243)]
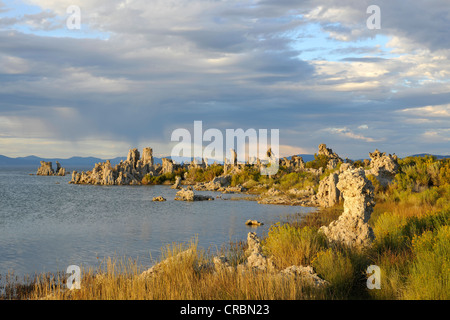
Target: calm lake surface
[(47, 224)]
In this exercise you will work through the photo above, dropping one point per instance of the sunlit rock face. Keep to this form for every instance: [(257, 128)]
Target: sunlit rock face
[(352, 228)]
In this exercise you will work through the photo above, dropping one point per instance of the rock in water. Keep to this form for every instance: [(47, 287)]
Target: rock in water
[(188, 195), (177, 183), (352, 228), (253, 223), (45, 169)]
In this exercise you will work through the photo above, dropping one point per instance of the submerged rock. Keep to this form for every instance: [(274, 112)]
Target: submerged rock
[(188, 195), (253, 223)]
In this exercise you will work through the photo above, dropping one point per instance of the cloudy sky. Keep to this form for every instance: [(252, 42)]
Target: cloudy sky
[(137, 70)]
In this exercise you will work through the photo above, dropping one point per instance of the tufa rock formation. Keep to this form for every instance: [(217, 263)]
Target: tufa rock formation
[(177, 184), (328, 194), (46, 169), (333, 157), (258, 262), (253, 223), (295, 164), (129, 172), (352, 228), (188, 195), (383, 167)]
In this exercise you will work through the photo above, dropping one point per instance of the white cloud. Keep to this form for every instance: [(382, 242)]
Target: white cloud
[(346, 132), (437, 111), (229, 63)]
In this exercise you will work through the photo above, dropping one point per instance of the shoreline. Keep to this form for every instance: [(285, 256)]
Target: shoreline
[(242, 196)]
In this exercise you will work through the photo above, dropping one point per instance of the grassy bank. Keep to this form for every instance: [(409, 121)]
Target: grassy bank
[(411, 222)]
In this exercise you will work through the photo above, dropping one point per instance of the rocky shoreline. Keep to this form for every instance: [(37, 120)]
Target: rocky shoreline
[(136, 169), (337, 180)]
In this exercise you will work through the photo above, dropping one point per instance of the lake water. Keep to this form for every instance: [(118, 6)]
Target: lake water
[(47, 224)]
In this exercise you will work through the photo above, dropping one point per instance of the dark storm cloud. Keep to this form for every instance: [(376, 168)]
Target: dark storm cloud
[(231, 64)]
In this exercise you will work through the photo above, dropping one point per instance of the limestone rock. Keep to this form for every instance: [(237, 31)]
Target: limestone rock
[(221, 263), (129, 172), (185, 195), (133, 157), (305, 273), (236, 189), (167, 166), (256, 259), (188, 195), (333, 157), (217, 184), (295, 164), (352, 228), (309, 191), (159, 199), (60, 171), (177, 184), (233, 157), (158, 268), (328, 194), (147, 156), (383, 167), (45, 169), (253, 223)]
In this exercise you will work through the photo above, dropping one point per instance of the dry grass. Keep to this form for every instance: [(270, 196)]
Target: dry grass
[(190, 277)]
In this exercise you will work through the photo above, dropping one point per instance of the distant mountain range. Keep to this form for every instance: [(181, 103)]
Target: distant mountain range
[(89, 162), (71, 163)]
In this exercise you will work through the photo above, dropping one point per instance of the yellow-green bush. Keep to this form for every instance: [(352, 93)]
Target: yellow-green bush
[(388, 230), (290, 245), (299, 180), (204, 174), (429, 276), (337, 268), (320, 161)]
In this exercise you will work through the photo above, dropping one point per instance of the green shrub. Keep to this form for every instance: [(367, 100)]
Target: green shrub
[(429, 276), (389, 232), (290, 245), (320, 161), (337, 268), (248, 173), (204, 174), (299, 180)]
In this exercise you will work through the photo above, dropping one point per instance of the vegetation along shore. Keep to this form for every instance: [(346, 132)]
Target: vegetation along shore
[(386, 212)]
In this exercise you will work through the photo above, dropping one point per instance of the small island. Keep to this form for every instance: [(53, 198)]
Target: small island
[(46, 169)]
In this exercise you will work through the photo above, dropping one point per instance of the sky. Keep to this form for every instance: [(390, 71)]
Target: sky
[(137, 70)]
